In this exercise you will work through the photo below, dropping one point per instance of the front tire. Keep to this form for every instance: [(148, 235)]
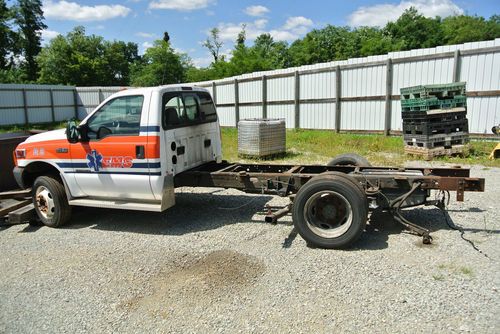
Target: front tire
[(330, 211), (50, 201)]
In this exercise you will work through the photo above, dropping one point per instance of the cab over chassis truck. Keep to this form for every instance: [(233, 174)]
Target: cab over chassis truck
[(139, 145)]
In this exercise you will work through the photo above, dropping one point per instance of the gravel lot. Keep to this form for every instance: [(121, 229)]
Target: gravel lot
[(210, 265)]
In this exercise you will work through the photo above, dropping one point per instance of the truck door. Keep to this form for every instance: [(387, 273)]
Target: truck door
[(190, 129), (115, 161)]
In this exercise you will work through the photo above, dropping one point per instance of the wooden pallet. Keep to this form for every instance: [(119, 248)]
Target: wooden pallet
[(429, 153), (16, 207)]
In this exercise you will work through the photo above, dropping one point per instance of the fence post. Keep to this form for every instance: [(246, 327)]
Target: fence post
[(75, 99), (297, 100), (338, 98), (456, 66), (52, 109), (388, 97), (236, 101), (25, 105), (100, 97), (214, 93), (264, 96)]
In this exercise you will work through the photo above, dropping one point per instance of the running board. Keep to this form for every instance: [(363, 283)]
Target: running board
[(116, 204)]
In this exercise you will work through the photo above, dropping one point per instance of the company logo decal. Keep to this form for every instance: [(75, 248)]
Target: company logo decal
[(96, 161)]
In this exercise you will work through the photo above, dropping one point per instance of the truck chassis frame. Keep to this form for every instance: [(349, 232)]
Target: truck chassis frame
[(287, 180)]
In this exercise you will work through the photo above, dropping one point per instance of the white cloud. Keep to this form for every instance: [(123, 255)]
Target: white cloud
[(72, 11), (379, 15), (145, 35), (202, 61), (180, 5), (47, 35), (297, 22), (293, 28), (257, 10)]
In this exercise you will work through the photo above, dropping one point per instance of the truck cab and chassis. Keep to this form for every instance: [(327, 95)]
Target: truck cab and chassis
[(139, 145)]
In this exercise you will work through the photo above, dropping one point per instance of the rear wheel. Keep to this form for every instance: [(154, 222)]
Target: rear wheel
[(51, 203), (349, 159), (330, 211)]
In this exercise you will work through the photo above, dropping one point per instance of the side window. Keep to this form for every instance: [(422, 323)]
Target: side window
[(207, 108), (192, 112), (173, 111), (120, 116), (187, 109)]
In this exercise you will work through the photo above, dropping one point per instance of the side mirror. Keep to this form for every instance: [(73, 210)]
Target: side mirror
[(72, 132)]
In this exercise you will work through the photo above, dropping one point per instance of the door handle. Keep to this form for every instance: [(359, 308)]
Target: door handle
[(140, 152)]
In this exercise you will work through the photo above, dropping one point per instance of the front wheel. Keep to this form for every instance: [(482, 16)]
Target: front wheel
[(330, 211), (50, 201)]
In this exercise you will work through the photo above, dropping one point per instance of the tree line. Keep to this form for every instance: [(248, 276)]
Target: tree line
[(87, 60)]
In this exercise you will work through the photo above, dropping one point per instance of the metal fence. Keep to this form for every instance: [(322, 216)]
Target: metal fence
[(31, 104), (360, 94), (363, 93)]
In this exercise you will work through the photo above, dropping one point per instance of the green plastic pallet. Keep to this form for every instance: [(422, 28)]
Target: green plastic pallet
[(439, 91), (433, 103)]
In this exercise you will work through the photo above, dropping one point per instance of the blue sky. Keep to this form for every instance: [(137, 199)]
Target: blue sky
[(188, 21)]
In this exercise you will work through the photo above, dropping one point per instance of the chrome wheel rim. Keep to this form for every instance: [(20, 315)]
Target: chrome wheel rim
[(328, 214), (45, 202)]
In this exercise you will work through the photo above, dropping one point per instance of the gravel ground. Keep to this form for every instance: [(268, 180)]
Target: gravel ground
[(210, 264)]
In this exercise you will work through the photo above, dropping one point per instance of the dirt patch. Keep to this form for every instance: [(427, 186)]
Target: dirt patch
[(196, 282)]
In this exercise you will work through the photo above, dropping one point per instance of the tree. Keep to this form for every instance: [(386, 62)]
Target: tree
[(214, 44), (413, 31), (160, 65), (5, 35), (464, 28), (29, 18), (77, 59)]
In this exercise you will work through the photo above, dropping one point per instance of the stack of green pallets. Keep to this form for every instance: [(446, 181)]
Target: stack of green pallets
[(435, 119)]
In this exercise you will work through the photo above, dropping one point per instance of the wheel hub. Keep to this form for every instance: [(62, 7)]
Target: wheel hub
[(44, 202), (328, 214)]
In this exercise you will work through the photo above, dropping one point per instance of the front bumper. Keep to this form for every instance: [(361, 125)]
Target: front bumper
[(18, 176)]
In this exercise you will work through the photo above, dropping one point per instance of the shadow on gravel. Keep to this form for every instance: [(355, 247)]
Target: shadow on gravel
[(381, 225), (195, 212), (191, 213)]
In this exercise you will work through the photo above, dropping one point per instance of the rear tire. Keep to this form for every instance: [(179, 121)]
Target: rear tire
[(330, 211), (349, 159), (51, 203)]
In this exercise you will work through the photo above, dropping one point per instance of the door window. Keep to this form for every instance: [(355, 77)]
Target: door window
[(120, 116)]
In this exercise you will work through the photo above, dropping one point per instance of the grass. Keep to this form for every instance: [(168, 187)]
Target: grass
[(320, 146), (41, 126), (452, 268)]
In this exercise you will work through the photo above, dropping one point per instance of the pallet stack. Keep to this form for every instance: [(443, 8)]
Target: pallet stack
[(435, 119)]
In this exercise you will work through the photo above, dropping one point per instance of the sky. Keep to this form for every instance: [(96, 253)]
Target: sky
[(188, 22)]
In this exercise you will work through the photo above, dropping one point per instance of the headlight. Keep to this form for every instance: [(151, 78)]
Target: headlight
[(20, 154)]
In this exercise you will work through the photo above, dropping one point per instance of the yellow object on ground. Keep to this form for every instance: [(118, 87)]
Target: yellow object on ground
[(495, 154)]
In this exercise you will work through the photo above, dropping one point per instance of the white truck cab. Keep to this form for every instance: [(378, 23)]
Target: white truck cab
[(126, 152)]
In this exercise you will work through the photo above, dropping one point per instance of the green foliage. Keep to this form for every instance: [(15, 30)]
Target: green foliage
[(413, 31), (29, 18), (463, 29), (5, 35), (160, 65), (78, 59)]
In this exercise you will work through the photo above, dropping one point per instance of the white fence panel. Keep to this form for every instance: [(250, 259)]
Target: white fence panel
[(317, 116), (247, 112), (282, 111), (280, 89), (363, 115), (227, 116)]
